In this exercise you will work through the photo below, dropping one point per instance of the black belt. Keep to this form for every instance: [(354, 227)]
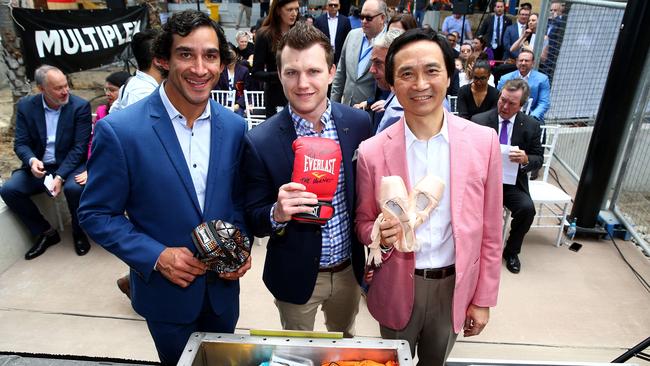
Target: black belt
[(436, 273), (336, 268)]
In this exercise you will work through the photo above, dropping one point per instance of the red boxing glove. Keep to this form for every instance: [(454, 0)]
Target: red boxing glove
[(316, 166)]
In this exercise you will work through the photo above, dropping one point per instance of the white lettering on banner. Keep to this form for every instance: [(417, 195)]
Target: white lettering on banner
[(82, 40), (319, 164)]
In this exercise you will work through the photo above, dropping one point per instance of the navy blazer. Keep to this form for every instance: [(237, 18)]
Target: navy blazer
[(342, 30), (137, 167), (509, 37), (487, 28), (72, 133), (526, 134), (292, 259), (241, 74)]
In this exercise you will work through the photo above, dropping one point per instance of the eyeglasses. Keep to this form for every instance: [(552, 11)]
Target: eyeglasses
[(333, 5), (111, 90), (368, 18), (480, 78)]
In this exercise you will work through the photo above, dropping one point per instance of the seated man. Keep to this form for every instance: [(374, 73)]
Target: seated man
[(52, 132), (516, 129)]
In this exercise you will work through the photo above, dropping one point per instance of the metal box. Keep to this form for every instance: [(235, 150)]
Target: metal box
[(218, 349)]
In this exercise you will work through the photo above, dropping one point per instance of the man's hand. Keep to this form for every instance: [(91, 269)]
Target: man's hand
[(38, 169), (57, 186), (293, 199), (81, 178), (378, 106), (179, 266), (239, 273), (476, 319), (390, 231), (518, 156), (361, 105)]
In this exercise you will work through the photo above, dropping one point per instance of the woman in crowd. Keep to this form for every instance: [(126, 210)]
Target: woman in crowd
[(527, 38), (282, 16), (477, 96), (402, 21), (112, 87), (235, 77), (479, 45), (244, 49)]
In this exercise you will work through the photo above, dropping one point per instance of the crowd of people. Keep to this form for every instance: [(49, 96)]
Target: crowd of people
[(379, 92)]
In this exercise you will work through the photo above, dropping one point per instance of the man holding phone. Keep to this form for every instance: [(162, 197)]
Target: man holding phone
[(516, 129)]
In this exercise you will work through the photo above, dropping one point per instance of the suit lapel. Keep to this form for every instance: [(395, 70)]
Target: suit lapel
[(216, 155), (517, 131), (344, 135), (458, 145), (285, 139), (162, 125), (395, 153), (64, 117), (40, 119)]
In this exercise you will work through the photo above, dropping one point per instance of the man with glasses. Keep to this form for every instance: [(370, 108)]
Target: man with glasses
[(353, 82), (335, 26), (514, 31)]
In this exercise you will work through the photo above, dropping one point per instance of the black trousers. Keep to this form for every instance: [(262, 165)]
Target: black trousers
[(523, 214)]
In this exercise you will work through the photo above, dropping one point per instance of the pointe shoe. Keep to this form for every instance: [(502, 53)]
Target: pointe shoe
[(394, 201), (425, 197)]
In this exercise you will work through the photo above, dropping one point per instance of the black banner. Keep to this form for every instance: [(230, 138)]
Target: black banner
[(76, 40)]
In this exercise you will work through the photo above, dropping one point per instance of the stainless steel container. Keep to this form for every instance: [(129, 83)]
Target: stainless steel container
[(216, 349)]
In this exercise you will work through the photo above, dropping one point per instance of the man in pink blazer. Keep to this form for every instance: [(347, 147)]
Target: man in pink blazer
[(428, 296)]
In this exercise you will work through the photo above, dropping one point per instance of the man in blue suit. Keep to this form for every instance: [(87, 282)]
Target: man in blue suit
[(335, 26), (513, 32), (170, 163), (52, 133), (540, 88), (307, 265)]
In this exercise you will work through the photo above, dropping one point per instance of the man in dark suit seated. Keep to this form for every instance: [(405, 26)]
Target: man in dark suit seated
[(52, 133), (335, 26), (516, 129), (307, 265)]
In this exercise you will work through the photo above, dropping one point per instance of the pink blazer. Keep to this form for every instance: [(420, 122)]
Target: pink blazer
[(476, 219)]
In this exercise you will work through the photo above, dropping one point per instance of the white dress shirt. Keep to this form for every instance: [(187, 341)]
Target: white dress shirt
[(195, 143), (435, 235), (138, 87), (51, 123), (333, 24)]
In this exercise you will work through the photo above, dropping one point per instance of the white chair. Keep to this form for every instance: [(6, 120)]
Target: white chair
[(255, 107), (453, 104), (225, 97), (552, 202)]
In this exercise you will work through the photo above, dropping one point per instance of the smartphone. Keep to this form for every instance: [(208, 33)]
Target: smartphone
[(575, 246)]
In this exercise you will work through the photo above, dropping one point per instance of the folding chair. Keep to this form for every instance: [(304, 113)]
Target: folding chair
[(225, 97), (255, 108), (453, 103)]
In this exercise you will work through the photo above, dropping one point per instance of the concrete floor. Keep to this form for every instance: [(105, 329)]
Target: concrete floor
[(563, 306)]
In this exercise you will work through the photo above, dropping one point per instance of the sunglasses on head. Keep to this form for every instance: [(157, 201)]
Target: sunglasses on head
[(368, 18)]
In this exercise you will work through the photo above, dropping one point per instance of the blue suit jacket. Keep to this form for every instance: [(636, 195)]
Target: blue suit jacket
[(540, 91), (292, 259), (510, 36), (137, 167), (72, 133), (342, 30)]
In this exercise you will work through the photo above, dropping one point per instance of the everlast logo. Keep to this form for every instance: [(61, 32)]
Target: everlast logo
[(319, 164)]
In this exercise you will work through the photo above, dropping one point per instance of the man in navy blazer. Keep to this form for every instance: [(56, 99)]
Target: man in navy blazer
[(513, 32), (540, 87), (333, 23), (307, 265), (160, 168), (52, 133)]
